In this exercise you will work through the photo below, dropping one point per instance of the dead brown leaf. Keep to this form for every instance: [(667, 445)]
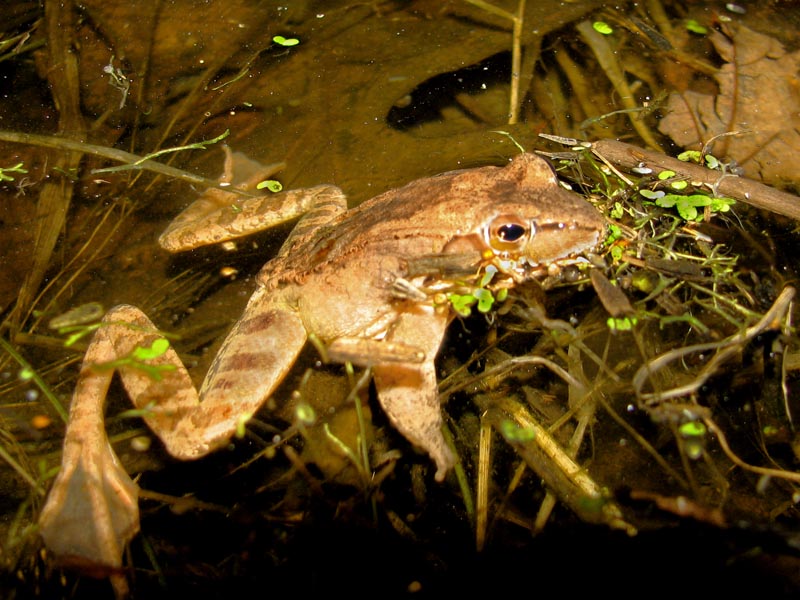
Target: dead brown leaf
[(758, 98)]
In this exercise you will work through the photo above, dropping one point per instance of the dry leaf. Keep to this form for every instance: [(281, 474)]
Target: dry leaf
[(759, 97)]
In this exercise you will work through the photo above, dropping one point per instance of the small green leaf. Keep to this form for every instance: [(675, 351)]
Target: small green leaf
[(241, 424), (678, 185), (286, 42), (305, 414), (667, 201), (462, 303), (602, 27), (271, 184), (690, 156), (722, 204), (621, 323), (692, 429), (614, 233), (693, 447), (695, 27), (666, 174), (487, 276), (485, 299), (514, 433), (686, 210), (652, 194), (156, 349)]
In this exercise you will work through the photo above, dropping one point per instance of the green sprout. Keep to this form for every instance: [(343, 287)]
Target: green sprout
[(271, 184), (712, 162), (614, 233), (693, 434), (137, 359), (285, 42), (77, 332), (621, 323), (695, 27), (17, 168), (201, 145), (480, 296)]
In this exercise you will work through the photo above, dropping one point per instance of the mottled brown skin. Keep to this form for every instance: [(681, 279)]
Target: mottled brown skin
[(334, 277)]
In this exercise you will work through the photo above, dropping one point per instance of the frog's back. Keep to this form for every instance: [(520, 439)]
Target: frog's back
[(424, 216)]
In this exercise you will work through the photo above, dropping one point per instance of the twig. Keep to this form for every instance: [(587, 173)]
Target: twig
[(739, 188), (60, 143)]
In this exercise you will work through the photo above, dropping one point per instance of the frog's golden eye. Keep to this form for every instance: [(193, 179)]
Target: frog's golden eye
[(507, 233)]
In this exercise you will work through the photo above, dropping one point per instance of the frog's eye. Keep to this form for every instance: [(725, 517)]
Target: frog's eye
[(507, 233)]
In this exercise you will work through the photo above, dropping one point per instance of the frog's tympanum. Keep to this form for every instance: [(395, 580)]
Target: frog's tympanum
[(337, 277)]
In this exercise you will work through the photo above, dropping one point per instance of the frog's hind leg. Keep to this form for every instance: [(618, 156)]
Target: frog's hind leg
[(255, 357), (91, 512)]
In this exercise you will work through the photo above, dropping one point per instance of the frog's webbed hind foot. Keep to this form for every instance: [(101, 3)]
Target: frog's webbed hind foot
[(91, 512)]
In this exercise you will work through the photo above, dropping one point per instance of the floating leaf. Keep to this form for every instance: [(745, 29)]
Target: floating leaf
[(271, 184), (695, 27), (602, 27), (286, 42), (652, 194)]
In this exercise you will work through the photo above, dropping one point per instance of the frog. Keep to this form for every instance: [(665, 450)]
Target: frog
[(337, 279)]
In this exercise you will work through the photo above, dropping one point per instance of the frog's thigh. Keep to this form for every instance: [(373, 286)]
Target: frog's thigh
[(408, 392)]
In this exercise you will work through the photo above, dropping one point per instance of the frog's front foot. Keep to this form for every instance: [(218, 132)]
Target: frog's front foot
[(91, 512)]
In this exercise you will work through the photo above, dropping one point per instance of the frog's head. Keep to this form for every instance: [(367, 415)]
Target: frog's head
[(531, 220)]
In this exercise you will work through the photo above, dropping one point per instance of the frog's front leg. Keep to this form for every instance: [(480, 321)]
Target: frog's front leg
[(408, 392), (91, 512)]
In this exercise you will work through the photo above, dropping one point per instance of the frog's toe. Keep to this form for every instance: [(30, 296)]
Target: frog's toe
[(91, 514), (444, 459)]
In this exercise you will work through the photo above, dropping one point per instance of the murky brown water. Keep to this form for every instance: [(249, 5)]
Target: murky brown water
[(375, 95)]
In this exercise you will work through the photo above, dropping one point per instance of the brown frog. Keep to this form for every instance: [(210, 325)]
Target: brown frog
[(337, 277)]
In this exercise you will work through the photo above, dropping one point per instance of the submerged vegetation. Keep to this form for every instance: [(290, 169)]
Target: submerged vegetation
[(649, 393)]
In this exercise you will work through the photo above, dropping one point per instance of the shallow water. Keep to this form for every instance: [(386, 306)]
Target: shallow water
[(374, 96)]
